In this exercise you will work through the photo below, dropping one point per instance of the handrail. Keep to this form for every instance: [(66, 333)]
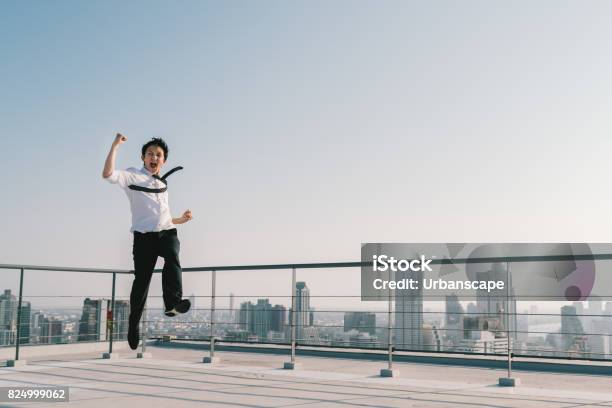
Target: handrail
[(318, 265)]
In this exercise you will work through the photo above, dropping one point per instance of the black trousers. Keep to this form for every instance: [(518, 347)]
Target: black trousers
[(147, 247)]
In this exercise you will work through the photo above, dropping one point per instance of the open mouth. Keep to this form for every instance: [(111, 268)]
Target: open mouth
[(153, 165)]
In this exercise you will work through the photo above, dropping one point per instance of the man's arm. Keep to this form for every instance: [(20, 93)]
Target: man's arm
[(109, 164), (184, 218)]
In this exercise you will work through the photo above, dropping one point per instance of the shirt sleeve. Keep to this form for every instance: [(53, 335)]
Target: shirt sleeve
[(121, 177)]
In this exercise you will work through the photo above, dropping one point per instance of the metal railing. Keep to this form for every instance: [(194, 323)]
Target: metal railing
[(503, 343)]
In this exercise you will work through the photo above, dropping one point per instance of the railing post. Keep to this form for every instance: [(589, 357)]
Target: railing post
[(18, 334), (143, 351), (292, 365), (508, 381), (508, 319), (144, 329), (390, 331), (111, 315), (212, 314), (213, 298), (389, 372)]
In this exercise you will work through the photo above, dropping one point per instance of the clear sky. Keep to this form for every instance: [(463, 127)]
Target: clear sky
[(305, 128)]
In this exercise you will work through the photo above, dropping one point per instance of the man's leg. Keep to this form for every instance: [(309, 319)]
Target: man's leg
[(172, 283), (145, 257)]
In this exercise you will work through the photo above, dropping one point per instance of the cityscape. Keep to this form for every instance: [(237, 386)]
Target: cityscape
[(578, 330)]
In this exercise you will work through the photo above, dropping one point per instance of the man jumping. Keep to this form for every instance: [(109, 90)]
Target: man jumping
[(153, 228)]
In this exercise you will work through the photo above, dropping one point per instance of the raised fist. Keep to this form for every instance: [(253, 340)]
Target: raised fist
[(119, 139)]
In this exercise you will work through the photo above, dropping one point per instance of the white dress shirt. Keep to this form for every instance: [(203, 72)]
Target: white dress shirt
[(150, 211)]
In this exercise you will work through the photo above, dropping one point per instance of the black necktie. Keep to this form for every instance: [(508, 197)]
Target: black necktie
[(155, 176)]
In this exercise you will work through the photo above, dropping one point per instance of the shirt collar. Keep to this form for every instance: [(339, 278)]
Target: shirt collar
[(147, 172)]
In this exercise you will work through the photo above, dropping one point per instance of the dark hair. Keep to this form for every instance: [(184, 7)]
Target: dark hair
[(156, 141)]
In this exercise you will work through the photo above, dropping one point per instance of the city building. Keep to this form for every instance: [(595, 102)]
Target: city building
[(51, 330), (497, 302), (24, 327), (92, 326), (482, 341), (571, 329), (8, 318), (303, 318), (232, 313), (408, 328), (279, 319), (453, 330), (262, 318), (121, 317), (363, 322)]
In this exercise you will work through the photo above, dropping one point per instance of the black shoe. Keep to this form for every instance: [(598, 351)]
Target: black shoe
[(133, 335), (180, 308)]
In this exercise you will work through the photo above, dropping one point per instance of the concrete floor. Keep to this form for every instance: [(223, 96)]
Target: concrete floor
[(177, 378)]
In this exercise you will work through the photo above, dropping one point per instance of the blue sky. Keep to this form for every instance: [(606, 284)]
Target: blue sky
[(306, 128)]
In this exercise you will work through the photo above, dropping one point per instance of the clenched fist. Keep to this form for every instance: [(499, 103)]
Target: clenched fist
[(184, 218), (119, 139), (187, 216)]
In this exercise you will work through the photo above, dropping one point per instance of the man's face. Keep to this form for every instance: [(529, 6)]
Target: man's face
[(153, 159)]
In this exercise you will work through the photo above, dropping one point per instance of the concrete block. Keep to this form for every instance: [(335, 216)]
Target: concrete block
[(509, 381), (385, 372), (291, 366), (212, 360), (110, 356), (15, 363), (144, 355)]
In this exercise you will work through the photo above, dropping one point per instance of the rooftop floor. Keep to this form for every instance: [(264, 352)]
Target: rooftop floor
[(177, 378)]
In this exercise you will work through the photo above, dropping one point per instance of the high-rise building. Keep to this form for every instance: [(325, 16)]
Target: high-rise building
[(245, 317), (453, 320), (571, 327), (498, 302), (8, 310), (24, 327), (8, 318), (35, 327), (409, 314), (302, 309), (51, 330), (92, 326), (56, 330), (43, 327), (362, 322), (279, 318), (121, 317), (232, 313), (262, 318)]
